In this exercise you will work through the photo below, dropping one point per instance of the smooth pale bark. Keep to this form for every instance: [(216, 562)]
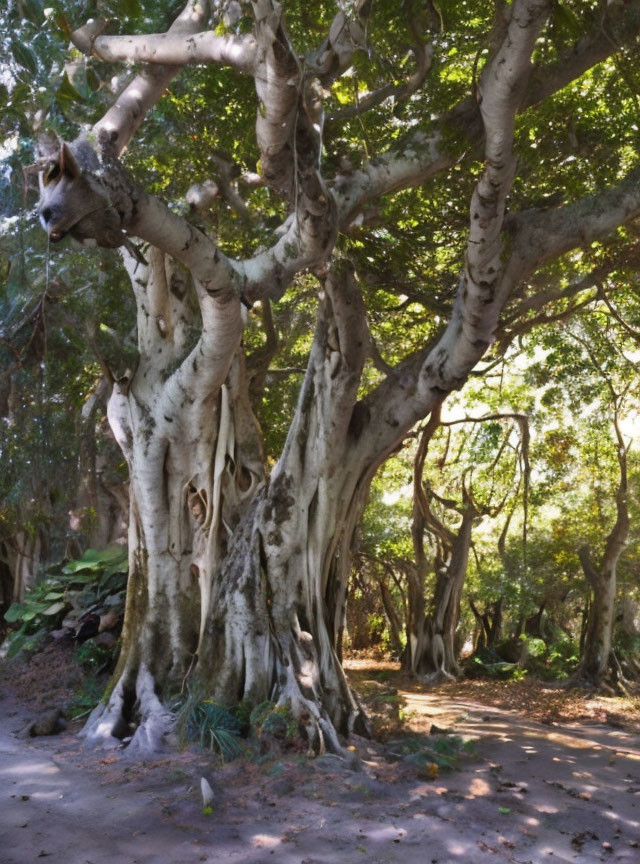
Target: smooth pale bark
[(235, 580)]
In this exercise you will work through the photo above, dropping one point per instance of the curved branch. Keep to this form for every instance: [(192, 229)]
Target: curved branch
[(400, 92)]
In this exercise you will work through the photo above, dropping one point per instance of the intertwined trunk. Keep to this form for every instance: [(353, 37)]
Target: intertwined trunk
[(237, 581), (436, 654), (278, 606)]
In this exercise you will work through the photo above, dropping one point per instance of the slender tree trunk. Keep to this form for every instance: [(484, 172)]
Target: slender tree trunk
[(488, 625), (440, 657), (417, 576), (596, 652), (395, 623)]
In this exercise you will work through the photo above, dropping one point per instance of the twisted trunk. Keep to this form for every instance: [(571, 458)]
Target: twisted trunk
[(439, 656), (236, 580)]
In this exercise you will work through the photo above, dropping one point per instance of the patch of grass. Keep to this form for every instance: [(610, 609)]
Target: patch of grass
[(86, 699)]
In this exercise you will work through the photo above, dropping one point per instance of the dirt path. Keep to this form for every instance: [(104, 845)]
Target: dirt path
[(534, 793)]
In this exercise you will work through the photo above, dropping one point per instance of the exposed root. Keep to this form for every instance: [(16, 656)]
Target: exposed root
[(134, 717), (440, 676)]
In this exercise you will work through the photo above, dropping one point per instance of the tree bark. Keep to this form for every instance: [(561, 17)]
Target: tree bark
[(596, 652), (439, 657), (236, 580)]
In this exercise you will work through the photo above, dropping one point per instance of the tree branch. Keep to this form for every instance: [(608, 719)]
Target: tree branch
[(542, 235), (178, 49), (120, 123)]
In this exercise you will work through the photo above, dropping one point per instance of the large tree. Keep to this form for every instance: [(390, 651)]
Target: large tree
[(238, 576)]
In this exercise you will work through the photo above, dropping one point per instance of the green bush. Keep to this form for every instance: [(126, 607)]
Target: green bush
[(82, 583)]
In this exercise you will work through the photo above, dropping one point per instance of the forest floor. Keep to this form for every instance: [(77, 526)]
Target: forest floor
[(550, 779)]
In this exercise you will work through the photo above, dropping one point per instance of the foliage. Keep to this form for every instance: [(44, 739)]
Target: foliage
[(93, 657), (86, 698), (81, 583), (212, 726), (444, 751)]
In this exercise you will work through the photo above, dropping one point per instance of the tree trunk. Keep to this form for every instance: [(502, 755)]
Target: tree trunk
[(596, 653), (395, 624), (488, 625), (594, 663), (417, 576), (439, 657), (236, 580), (533, 624)]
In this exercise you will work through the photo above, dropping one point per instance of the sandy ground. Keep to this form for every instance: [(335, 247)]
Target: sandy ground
[(533, 793)]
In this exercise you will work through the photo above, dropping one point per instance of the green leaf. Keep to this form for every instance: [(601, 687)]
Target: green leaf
[(505, 810), (25, 57), (67, 93), (54, 595), (54, 609), (15, 613)]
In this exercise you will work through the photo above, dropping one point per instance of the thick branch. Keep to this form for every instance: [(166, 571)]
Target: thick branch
[(542, 235), (120, 123), (178, 49)]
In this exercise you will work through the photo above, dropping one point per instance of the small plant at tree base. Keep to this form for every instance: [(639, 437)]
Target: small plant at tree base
[(95, 658), (212, 726), (86, 699), (269, 720)]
